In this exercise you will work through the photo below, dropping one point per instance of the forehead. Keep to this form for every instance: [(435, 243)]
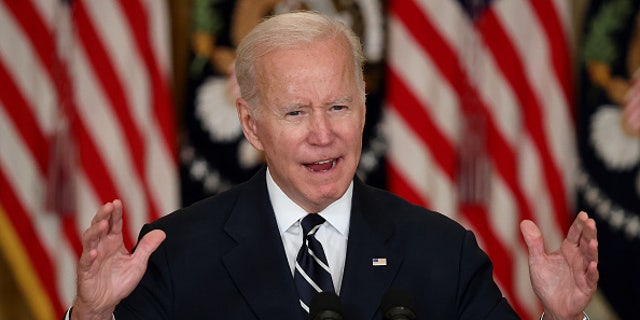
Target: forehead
[(323, 68)]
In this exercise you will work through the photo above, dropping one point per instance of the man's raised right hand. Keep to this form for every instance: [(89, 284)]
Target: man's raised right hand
[(107, 272)]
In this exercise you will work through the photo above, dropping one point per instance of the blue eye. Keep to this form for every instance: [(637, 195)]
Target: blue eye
[(338, 108), (293, 113)]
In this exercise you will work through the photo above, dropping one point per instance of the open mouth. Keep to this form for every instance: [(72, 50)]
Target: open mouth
[(322, 166)]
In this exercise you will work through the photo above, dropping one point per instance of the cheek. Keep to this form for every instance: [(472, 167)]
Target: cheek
[(281, 144), (292, 135), (354, 132)]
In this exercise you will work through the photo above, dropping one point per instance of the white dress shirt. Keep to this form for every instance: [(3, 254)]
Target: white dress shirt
[(332, 234)]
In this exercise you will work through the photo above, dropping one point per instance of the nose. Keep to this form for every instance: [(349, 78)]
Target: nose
[(320, 129)]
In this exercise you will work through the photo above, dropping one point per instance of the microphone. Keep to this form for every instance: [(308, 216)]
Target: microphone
[(397, 305), (325, 306)]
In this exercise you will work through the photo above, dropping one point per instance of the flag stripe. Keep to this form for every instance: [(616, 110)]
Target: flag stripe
[(40, 260), (511, 67), (501, 257), (556, 34), (139, 22), (40, 39), (59, 53), (32, 134), (160, 97), (400, 184), (420, 122), (109, 80), (95, 169), (19, 111), (33, 25), (38, 32), (432, 187), (440, 51), (508, 137)]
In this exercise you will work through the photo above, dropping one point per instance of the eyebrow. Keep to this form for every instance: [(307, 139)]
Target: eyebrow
[(339, 101), (344, 100)]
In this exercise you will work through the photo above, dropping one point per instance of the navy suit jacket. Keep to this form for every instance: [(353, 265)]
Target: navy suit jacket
[(223, 258)]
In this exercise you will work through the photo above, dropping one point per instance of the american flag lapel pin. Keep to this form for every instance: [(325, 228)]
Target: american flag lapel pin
[(376, 262)]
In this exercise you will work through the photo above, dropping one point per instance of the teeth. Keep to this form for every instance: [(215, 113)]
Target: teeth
[(323, 162)]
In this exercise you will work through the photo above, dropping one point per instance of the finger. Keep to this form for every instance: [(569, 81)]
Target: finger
[(533, 238), (593, 247), (592, 275), (104, 212), (147, 245), (587, 279), (91, 237), (589, 231), (115, 220), (589, 241), (90, 241), (575, 231), (590, 256)]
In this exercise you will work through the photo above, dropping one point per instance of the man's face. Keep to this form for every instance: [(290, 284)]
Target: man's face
[(309, 121)]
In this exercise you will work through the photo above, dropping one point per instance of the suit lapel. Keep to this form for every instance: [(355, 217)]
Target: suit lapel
[(370, 236), (265, 282)]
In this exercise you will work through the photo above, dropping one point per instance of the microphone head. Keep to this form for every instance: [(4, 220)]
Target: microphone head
[(325, 306), (397, 304)]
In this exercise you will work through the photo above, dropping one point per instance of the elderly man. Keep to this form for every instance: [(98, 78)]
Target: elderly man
[(249, 253)]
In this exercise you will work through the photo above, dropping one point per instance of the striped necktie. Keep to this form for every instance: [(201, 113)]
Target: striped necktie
[(312, 273)]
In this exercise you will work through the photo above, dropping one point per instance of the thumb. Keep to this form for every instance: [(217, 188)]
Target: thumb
[(148, 244), (533, 238)]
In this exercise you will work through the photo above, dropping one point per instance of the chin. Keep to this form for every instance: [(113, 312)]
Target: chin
[(330, 192)]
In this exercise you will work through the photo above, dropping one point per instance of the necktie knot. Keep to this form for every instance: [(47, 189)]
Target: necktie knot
[(311, 223)]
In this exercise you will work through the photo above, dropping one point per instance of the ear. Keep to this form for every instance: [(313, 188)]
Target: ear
[(364, 116), (364, 106), (248, 122)]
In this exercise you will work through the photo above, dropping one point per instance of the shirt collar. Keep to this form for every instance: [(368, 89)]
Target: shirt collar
[(288, 212)]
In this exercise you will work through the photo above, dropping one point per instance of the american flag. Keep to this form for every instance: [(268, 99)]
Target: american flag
[(85, 117), (480, 122)]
